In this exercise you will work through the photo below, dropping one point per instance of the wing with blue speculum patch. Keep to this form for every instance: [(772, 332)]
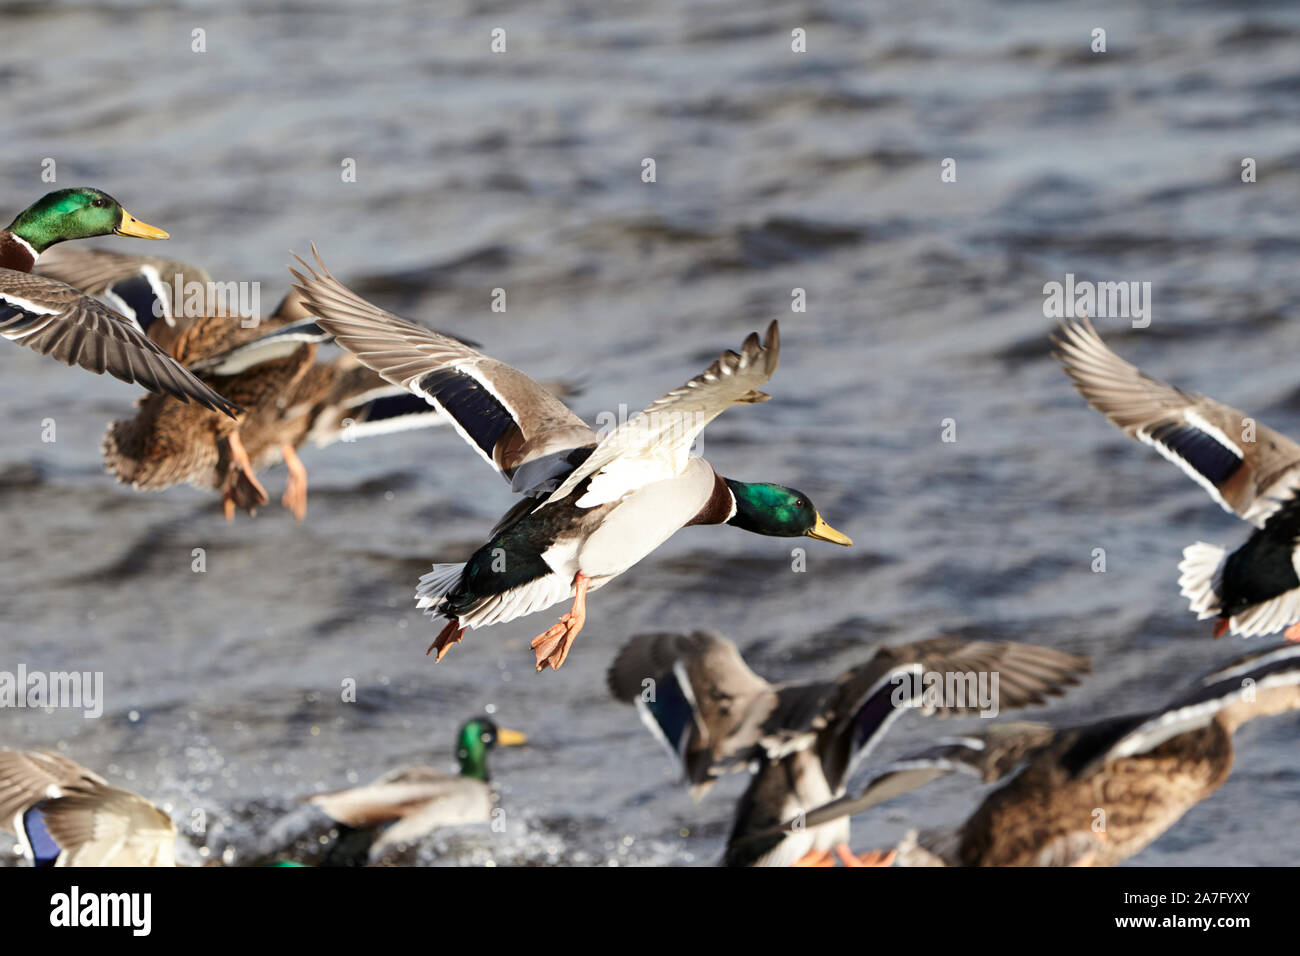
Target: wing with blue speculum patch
[(41, 847), (508, 419), (144, 289), (697, 696), (138, 299), (670, 714), (946, 677), (1243, 465), (481, 415), (381, 409)]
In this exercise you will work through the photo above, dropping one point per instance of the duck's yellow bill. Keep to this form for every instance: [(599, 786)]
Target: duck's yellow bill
[(824, 532), (510, 738), (130, 226)]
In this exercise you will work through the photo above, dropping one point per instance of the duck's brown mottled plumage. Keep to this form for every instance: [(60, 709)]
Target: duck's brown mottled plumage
[(1033, 820), (167, 443)]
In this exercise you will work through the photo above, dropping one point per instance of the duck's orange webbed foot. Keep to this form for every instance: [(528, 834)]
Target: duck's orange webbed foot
[(242, 488), (815, 858), (552, 646), (449, 635), (870, 858), (1292, 633), (295, 489)]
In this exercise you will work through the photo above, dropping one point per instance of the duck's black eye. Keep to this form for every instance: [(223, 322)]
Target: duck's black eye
[(799, 502), (99, 203)]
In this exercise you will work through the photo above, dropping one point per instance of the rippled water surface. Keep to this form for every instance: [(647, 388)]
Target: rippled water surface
[(775, 171)]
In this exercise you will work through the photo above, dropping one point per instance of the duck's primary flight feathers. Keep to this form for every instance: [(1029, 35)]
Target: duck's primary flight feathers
[(27, 776), (95, 824), (57, 320), (655, 444), (1243, 465), (514, 423)]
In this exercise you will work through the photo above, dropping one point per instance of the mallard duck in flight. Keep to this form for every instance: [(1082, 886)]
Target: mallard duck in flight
[(593, 506), (1092, 795), (57, 320), (802, 740), (1250, 470)]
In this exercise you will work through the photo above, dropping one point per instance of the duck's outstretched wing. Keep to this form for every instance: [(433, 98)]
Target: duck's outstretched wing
[(515, 424), (655, 444), (697, 696), (27, 776), (1246, 467), (59, 321), (94, 824), (947, 677), (1260, 682)]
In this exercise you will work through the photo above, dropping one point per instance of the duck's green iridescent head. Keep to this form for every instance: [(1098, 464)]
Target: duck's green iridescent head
[(78, 213), (476, 738), (780, 511)]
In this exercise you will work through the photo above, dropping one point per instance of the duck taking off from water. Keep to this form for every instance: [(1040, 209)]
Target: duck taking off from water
[(593, 506)]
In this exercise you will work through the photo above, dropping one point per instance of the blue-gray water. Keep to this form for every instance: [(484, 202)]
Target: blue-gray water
[(775, 171)]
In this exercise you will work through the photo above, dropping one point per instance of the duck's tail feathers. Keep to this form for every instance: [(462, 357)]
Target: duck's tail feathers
[(436, 585), (1199, 575), (121, 449)]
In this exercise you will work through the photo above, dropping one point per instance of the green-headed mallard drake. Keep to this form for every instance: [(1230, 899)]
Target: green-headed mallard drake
[(66, 815), (269, 367), (593, 506), (803, 740), (412, 802), (1250, 470), (1090, 795), (58, 320)]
